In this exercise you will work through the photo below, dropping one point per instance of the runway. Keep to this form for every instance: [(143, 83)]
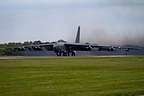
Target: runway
[(32, 57)]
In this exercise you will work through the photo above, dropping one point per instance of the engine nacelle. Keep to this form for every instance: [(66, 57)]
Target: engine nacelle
[(106, 49), (21, 49), (111, 49), (88, 48), (73, 53), (127, 49), (37, 48)]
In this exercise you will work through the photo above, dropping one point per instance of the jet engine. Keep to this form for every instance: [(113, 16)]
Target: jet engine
[(21, 49), (88, 48), (106, 49), (127, 49), (37, 48)]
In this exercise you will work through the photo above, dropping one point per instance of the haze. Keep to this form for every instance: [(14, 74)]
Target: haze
[(110, 22)]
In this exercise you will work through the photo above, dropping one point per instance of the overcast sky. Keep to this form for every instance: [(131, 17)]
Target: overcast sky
[(111, 22)]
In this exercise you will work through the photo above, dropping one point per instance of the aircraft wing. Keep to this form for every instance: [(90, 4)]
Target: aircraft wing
[(105, 47), (130, 48), (88, 47), (16, 49), (102, 46), (112, 48), (48, 47), (78, 47)]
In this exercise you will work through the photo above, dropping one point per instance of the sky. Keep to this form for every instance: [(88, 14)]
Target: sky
[(110, 22)]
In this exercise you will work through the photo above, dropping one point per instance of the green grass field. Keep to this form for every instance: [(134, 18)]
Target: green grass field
[(82, 76)]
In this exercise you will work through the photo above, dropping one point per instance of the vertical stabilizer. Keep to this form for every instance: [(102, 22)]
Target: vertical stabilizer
[(78, 35)]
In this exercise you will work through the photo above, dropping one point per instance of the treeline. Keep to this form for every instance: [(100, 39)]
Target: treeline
[(5, 46)]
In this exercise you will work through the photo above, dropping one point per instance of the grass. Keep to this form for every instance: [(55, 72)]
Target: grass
[(86, 76)]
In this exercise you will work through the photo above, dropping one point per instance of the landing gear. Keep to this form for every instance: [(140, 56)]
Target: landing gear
[(73, 53), (65, 53), (58, 53)]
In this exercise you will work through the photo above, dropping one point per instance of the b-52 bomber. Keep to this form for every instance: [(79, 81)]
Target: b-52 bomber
[(68, 49)]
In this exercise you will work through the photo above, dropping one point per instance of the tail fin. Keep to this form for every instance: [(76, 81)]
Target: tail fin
[(78, 35)]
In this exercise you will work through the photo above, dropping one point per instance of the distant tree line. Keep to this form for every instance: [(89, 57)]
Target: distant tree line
[(5, 46)]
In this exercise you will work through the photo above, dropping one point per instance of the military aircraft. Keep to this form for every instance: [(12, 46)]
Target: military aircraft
[(67, 49)]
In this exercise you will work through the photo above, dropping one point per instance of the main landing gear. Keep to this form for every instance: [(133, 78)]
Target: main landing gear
[(73, 53)]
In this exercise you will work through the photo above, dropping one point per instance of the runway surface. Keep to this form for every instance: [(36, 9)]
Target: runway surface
[(27, 57)]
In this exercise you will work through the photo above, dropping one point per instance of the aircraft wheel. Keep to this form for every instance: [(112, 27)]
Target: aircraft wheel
[(64, 53), (58, 53), (68, 54), (73, 53)]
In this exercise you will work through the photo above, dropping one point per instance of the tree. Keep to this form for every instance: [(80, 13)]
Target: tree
[(37, 42), (5, 52), (61, 40)]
